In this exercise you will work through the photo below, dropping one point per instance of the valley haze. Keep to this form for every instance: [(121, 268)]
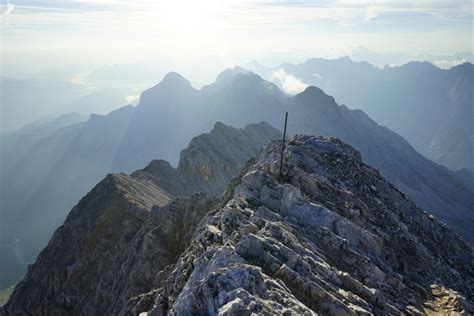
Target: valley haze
[(144, 168)]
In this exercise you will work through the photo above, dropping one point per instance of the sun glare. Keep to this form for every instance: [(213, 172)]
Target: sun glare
[(188, 15)]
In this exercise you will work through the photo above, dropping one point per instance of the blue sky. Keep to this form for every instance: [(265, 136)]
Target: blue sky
[(76, 35)]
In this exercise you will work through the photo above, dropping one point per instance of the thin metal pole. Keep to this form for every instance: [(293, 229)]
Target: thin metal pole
[(283, 147)]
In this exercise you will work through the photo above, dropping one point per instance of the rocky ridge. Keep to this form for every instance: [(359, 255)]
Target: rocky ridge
[(333, 238), (128, 228), (430, 107), (73, 159)]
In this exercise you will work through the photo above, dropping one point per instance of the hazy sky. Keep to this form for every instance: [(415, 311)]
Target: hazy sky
[(69, 38)]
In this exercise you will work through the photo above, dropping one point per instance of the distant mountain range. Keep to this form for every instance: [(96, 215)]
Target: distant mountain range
[(432, 108), (46, 180), (25, 101)]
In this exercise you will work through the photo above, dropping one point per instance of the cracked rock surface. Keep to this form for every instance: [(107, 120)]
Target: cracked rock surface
[(130, 227), (334, 238)]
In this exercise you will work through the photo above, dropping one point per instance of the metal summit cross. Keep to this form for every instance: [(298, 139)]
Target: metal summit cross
[(282, 147)]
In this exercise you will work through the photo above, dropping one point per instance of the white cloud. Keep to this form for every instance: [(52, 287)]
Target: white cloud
[(133, 98), (446, 64), (289, 83), (81, 79)]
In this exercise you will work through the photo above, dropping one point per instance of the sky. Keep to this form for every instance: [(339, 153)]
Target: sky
[(71, 39)]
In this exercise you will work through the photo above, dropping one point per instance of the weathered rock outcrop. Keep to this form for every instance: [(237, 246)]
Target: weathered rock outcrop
[(129, 228), (110, 248), (333, 238), (209, 160)]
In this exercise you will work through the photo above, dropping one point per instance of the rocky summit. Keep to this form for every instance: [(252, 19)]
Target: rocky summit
[(330, 237)]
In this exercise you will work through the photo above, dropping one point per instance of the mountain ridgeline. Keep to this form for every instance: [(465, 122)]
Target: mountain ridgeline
[(432, 108), (73, 159), (332, 237)]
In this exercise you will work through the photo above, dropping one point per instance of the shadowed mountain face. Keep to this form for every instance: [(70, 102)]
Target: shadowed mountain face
[(28, 100), (159, 204), (57, 170), (224, 147), (432, 108), (433, 187), (333, 237)]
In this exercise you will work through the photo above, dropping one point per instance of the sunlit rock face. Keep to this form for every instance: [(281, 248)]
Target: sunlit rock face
[(333, 237), (330, 236)]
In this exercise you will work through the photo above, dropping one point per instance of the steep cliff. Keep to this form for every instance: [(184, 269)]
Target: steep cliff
[(129, 227), (332, 237)]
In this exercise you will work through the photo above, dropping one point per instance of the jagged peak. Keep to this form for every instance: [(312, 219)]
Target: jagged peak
[(172, 82), (251, 80), (236, 74), (416, 66), (313, 93), (262, 124), (219, 127), (157, 165), (239, 78), (229, 73), (249, 75), (465, 66), (259, 128), (175, 78), (345, 58)]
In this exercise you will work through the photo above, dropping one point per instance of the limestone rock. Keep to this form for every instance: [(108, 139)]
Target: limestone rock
[(129, 228), (332, 238)]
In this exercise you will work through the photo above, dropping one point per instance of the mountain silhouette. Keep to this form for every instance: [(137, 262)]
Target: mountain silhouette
[(57, 170)]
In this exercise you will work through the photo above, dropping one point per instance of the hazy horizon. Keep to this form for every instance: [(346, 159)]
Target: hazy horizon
[(143, 170), (103, 53), (67, 40), (109, 87)]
